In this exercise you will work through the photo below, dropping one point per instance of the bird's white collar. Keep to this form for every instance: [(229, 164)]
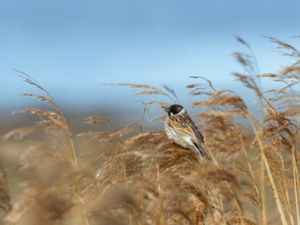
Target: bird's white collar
[(180, 113)]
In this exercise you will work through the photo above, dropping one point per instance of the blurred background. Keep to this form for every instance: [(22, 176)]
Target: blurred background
[(73, 47)]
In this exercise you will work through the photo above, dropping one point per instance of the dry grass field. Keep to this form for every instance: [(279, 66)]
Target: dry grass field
[(134, 176)]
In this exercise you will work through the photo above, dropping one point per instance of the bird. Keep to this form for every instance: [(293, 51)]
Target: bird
[(181, 129)]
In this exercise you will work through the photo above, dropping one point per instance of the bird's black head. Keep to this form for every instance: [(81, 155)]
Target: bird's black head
[(174, 109)]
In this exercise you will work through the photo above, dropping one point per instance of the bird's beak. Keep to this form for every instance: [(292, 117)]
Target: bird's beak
[(167, 110)]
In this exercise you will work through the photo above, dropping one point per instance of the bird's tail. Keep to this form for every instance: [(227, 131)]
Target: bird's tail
[(201, 152)]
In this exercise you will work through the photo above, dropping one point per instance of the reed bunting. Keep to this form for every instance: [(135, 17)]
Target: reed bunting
[(182, 130)]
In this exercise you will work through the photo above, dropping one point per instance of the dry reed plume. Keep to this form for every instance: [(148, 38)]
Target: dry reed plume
[(131, 176)]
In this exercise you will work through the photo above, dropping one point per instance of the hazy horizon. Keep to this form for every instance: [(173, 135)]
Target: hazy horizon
[(72, 47)]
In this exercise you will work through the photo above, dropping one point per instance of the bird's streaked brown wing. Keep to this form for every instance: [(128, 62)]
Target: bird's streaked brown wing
[(185, 125)]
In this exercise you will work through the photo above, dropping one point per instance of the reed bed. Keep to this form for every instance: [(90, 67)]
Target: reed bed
[(134, 176)]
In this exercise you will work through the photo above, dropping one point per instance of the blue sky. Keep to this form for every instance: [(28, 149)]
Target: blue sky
[(73, 46)]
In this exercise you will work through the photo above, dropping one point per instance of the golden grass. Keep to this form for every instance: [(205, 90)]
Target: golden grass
[(129, 176)]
